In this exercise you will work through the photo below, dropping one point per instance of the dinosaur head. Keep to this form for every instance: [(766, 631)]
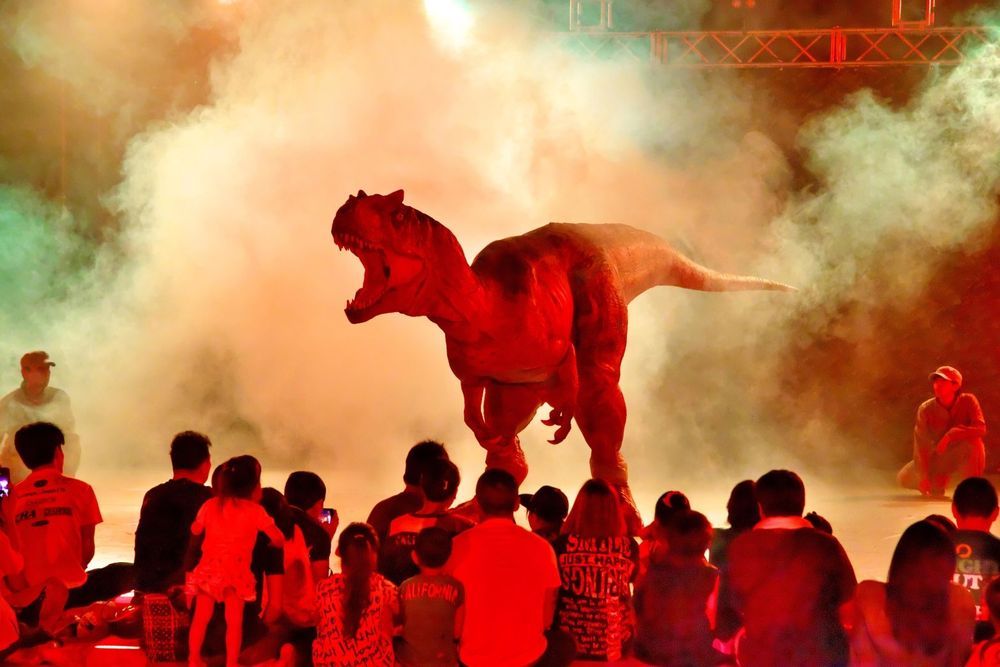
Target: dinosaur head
[(396, 248)]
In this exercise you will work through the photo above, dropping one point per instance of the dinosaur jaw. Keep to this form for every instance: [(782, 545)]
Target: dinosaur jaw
[(385, 273)]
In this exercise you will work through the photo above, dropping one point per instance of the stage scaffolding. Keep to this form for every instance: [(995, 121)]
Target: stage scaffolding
[(912, 40), (855, 47)]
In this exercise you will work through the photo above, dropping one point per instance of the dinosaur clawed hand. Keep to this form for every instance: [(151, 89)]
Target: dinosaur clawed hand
[(562, 419)]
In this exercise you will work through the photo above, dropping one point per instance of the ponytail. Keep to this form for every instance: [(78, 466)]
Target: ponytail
[(355, 547)]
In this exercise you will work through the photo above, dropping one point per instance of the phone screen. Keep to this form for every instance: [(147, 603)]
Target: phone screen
[(4, 482), (327, 515)]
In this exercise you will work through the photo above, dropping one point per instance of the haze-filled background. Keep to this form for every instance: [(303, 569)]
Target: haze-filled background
[(169, 170)]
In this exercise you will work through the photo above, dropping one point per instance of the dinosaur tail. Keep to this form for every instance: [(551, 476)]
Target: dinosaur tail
[(674, 269), (644, 260)]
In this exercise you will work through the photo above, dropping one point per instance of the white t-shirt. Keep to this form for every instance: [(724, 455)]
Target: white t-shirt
[(507, 572), (298, 589), (47, 511), (17, 410)]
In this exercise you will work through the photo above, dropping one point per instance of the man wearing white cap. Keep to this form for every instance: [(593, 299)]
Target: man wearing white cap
[(947, 437), (35, 401)]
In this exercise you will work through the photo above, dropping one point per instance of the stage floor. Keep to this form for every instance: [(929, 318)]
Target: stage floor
[(867, 516)]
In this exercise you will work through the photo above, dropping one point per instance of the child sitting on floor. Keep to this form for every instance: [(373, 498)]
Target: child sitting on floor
[(432, 605)]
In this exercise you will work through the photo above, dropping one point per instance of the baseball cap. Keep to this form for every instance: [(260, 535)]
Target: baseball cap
[(547, 502), (37, 358), (948, 373)]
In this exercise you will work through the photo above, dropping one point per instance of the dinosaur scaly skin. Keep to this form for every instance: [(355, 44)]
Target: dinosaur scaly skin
[(537, 318)]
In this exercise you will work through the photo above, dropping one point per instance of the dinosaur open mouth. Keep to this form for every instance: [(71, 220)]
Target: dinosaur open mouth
[(377, 271)]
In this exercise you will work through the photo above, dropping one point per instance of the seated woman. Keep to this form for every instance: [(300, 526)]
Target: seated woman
[(918, 617), (597, 562)]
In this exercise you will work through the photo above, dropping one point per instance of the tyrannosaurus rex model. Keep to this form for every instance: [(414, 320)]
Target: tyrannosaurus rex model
[(537, 318)]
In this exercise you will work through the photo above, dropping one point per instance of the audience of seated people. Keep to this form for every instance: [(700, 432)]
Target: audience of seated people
[(424, 583)]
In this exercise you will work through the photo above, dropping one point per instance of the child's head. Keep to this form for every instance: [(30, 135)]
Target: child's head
[(358, 549), (357, 545), (689, 533), (667, 505), (240, 478), (439, 481), (39, 444), (975, 497), (432, 548)]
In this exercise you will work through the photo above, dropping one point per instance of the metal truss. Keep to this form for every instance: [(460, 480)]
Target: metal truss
[(836, 47)]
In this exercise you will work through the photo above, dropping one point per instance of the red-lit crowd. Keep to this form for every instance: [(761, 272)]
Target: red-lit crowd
[(227, 572), (424, 582)]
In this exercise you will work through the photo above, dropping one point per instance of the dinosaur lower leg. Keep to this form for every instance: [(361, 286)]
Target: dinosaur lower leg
[(507, 410), (601, 417), (510, 457)]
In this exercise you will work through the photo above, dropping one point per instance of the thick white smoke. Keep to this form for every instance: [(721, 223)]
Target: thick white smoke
[(227, 316)]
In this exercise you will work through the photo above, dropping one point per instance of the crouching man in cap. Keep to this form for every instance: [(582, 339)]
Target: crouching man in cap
[(35, 401), (947, 437)]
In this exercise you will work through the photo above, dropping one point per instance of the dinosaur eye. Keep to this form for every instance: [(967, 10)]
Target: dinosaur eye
[(399, 216)]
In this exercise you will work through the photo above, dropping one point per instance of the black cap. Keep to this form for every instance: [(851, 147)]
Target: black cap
[(547, 502)]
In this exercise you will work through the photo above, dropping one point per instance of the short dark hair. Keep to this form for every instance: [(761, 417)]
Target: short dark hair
[(36, 443), (975, 496), (688, 533), (440, 480), (188, 450), (419, 456), (496, 492), (303, 489), (742, 510), (781, 493), (433, 546)]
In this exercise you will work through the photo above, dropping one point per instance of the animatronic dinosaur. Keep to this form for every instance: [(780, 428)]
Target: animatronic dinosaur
[(537, 318)]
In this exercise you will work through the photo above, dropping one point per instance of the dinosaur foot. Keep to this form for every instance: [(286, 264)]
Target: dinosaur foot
[(633, 521), (508, 457)]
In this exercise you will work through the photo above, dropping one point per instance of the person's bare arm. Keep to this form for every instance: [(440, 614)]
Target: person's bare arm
[(273, 534), (87, 544)]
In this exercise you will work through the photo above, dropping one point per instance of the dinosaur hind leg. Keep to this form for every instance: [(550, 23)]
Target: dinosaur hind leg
[(509, 408), (601, 331)]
